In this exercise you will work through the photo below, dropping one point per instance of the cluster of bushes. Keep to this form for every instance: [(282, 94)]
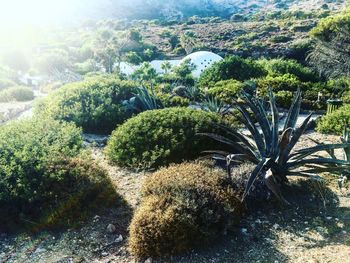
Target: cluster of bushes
[(94, 104), (16, 93), (42, 177), (232, 67), (160, 137), (183, 206), (336, 121), (6, 83)]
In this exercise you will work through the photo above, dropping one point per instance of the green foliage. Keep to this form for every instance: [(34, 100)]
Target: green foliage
[(31, 183), (330, 55), (284, 98), (184, 69), (226, 90), (232, 67), (6, 83), (277, 67), (144, 73), (94, 104), (174, 101), (272, 153), (50, 87), (159, 137), (335, 121), (285, 82), (145, 99), (17, 93), (183, 206)]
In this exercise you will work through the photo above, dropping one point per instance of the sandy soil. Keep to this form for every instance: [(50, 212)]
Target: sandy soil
[(311, 230)]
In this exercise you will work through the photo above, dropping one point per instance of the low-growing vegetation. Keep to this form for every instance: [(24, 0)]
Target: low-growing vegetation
[(183, 206), (94, 104), (160, 137), (17, 93), (42, 177), (335, 122)]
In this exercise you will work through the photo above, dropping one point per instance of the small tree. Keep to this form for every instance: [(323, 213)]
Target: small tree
[(188, 42), (166, 67), (145, 73)]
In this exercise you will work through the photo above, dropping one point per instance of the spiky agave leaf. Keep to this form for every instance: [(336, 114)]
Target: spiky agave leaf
[(293, 112), (301, 154)]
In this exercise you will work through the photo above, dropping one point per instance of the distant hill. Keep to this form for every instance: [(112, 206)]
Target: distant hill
[(170, 9)]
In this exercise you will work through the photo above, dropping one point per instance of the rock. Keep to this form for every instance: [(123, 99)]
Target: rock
[(329, 218), (244, 231), (149, 260), (40, 250), (119, 239), (111, 228), (104, 254), (276, 226)]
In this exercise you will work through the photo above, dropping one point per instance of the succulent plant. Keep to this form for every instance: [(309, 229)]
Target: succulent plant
[(271, 149), (143, 100)]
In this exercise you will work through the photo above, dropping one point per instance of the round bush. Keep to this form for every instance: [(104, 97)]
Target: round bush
[(277, 67), (183, 206), (160, 137), (232, 67), (17, 93), (94, 104), (226, 90), (40, 176), (335, 121), (6, 83)]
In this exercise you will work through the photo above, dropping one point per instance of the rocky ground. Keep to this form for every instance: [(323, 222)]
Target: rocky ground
[(311, 230)]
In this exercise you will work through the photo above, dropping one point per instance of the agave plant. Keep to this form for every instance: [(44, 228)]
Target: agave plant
[(143, 100), (212, 104), (271, 148)]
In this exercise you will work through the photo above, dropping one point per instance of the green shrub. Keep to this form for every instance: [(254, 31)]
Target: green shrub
[(50, 87), (174, 101), (5, 83), (94, 104), (39, 180), (183, 206), (285, 82), (280, 39), (159, 137), (278, 67), (335, 121), (226, 90), (17, 93), (284, 98), (232, 67)]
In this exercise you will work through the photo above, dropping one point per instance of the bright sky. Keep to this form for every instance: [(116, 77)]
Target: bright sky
[(20, 20), (35, 12)]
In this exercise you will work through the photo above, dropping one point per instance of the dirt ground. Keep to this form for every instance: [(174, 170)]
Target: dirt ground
[(313, 229)]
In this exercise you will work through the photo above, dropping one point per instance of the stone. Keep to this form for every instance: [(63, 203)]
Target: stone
[(149, 260), (104, 254), (111, 228), (119, 239)]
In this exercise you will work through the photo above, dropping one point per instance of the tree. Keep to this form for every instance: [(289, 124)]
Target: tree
[(145, 73), (166, 66), (135, 35), (184, 69), (231, 67), (108, 49), (174, 41), (188, 41), (133, 58), (331, 55)]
